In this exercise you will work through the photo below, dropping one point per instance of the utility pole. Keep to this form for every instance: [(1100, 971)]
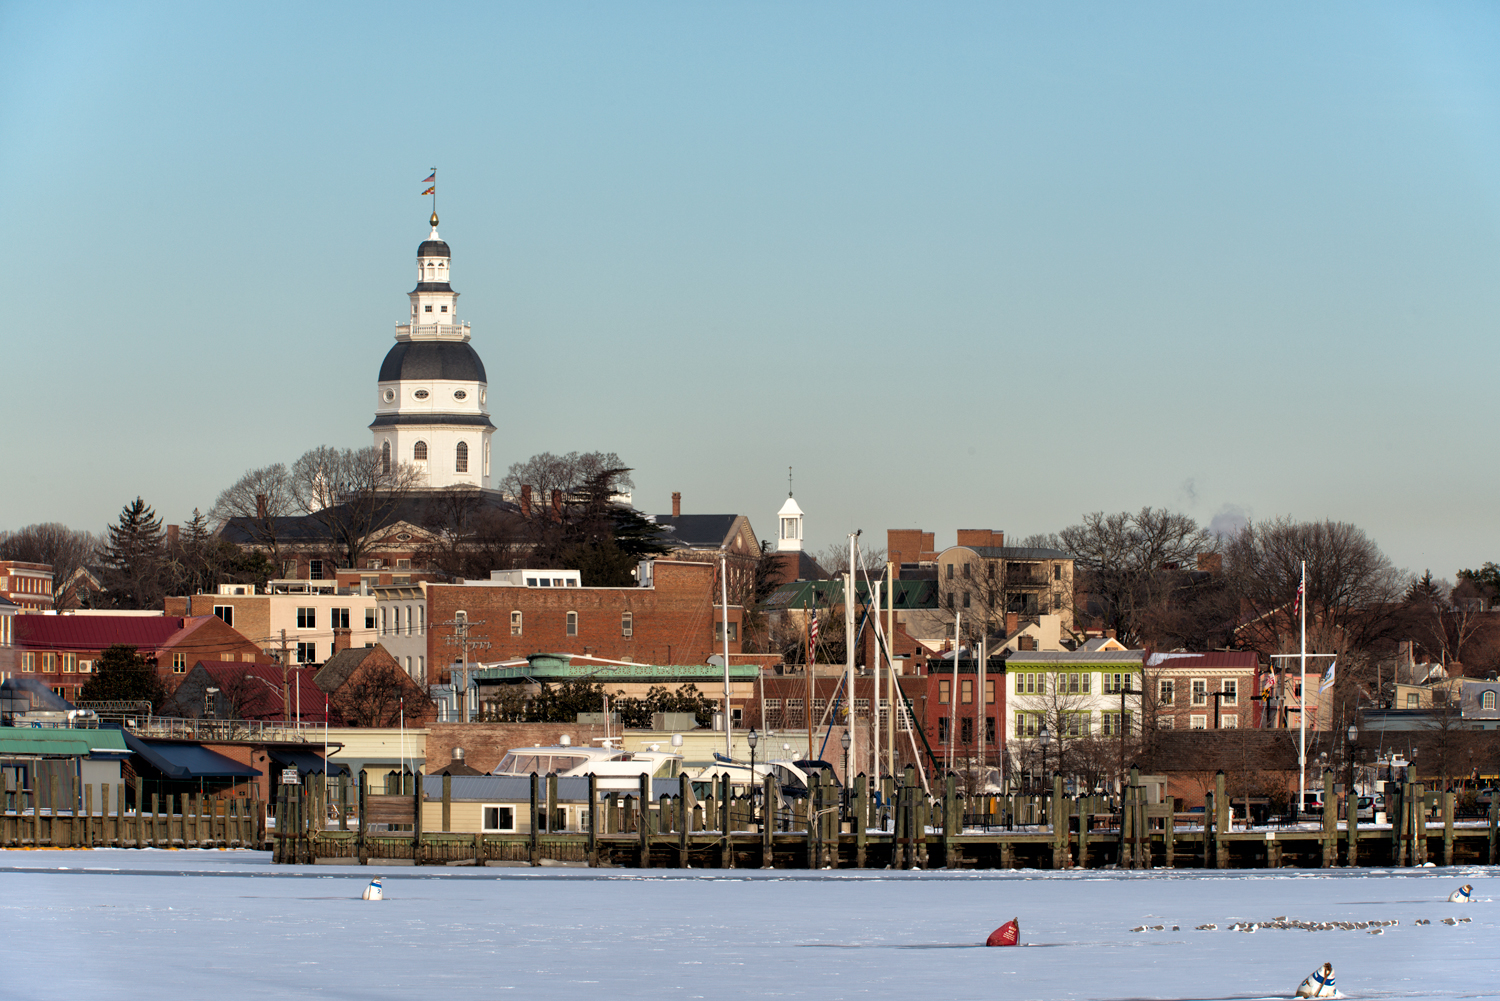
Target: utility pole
[(460, 639), (286, 694)]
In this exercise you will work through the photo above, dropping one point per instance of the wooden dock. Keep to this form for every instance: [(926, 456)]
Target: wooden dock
[(150, 821), (912, 830)]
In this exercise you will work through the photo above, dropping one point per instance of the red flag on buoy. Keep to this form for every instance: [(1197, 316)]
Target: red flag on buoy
[(1007, 934)]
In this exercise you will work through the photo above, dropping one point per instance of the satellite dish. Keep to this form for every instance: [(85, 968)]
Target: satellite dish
[(717, 660)]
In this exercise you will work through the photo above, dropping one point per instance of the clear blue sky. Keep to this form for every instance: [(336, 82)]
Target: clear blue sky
[(961, 265)]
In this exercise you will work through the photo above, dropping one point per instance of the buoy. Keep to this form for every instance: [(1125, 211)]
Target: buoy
[(1460, 895), (374, 891), (1319, 983), (1007, 934)]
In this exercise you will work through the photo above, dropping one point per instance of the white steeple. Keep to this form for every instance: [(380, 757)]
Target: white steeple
[(431, 408)]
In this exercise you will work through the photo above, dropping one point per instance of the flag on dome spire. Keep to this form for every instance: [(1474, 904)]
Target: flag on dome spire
[(430, 177), (430, 190)]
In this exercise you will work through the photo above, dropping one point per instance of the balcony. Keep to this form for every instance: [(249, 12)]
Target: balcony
[(432, 331), (1027, 580)]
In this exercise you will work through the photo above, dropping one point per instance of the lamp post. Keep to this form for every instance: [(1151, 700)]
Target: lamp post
[(1351, 798), (845, 741), (1044, 737), (752, 738)]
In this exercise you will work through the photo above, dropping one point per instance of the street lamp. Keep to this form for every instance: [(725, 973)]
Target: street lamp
[(1351, 797), (844, 742), (752, 738), (1044, 737)]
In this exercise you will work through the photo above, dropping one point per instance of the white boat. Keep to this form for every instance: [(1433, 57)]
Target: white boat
[(617, 770)]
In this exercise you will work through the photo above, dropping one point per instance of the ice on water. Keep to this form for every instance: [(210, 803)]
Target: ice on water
[(226, 925)]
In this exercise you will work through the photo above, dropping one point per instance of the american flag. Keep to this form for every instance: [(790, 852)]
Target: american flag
[(813, 632), (1297, 605)]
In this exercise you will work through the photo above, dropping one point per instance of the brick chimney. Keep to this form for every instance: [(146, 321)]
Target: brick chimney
[(557, 506), (526, 500), (1012, 623), (172, 535), (340, 639), (1210, 562), (676, 504), (260, 505)]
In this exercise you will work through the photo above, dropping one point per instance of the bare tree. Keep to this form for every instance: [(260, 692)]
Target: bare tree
[(835, 559), (546, 472), (381, 695), (467, 536), (65, 549), (257, 502), (351, 492), (1129, 564)]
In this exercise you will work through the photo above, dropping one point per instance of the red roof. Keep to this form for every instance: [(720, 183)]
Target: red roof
[(257, 689), (98, 632)]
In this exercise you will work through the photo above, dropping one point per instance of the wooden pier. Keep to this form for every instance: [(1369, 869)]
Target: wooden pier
[(903, 828), (154, 821)]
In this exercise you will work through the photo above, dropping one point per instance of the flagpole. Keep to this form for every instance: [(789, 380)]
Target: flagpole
[(1302, 699)]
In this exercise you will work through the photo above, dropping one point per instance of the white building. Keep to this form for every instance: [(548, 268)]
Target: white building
[(1073, 693), (431, 407)]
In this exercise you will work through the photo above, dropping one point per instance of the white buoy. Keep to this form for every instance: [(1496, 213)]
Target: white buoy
[(374, 890), (1319, 983), (1461, 895)]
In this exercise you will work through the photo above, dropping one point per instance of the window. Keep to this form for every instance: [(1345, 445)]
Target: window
[(179, 663), (1165, 723), (968, 571), (462, 463), (1229, 721), (820, 706), (49, 663), (1197, 722), (1115, 724), (307, 618), (627, 625), (1200, 692), (771, 718), (1057, 571), (942, 729), (403, 564), (369, 618), (734, 631), (385, 458), (427, 309), (515, 623), (1028, 724), (945, 692), (340, 618), (442, 309), (862, 708), (1230, 688), (966, 730), (384, 623), (572, 623), (28, 663), (1075, 724), (1487, 700), (306, 654), (314, 569), (966, 599), (950, 597), (1072, 683), (419, 451), (69, 663), (966, 691), (411, 622), (499, 819), (794, 713), (1165, 692), (950, 571), (1411, 701), (885, 713), (989, 691), (225, 612)]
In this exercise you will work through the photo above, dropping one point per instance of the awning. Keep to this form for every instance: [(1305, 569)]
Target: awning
[(188, 761), (306, 762), (54, 748)]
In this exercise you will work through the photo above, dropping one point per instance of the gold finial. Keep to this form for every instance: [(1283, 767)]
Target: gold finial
[(434, 220)]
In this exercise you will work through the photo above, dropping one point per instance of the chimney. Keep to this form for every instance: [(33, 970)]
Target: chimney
[(340, 639), (1012, 623), (526, 500), (260, 506), (557, 506), (1210, 562), (676, 504), (172, 535)]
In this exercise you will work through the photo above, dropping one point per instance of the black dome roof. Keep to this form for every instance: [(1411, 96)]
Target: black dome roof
[(420, 361), (433, 248)]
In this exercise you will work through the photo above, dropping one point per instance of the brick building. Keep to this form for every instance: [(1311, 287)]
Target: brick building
[(27, 585), (313, 619), (1202, 691), (705, 537), (60, 650), (674, 620)]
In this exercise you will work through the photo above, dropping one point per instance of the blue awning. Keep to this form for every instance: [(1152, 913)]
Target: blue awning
[(306, 762), (188, 761)]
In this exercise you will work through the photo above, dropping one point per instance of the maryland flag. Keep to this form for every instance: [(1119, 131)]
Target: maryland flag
[(430, 190)]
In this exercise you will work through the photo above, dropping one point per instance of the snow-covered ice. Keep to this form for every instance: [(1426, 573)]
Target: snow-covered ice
[(228, 925)]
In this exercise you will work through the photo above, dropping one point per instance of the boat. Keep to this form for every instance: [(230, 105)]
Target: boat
[(616, 769)]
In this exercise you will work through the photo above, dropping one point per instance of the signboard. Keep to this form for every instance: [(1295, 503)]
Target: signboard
[(289, 777)]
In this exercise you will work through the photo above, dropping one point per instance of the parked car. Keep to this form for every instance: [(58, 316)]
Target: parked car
[(1365, 808), (1485, 797), (1312, 802)]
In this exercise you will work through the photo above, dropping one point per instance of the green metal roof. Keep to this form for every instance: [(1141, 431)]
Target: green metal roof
[(560, 667), (910, 594), (58, 741)]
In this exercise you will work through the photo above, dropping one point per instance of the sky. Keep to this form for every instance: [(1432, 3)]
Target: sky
[(959, 265)]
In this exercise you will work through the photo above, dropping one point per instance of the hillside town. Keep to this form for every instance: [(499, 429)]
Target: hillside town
[(366, 620)]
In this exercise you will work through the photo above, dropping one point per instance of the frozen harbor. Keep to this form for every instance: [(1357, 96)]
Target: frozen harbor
[(228, 924)]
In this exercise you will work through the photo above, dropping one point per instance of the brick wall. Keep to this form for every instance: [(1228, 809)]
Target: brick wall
[(671, 623), (909, 545)]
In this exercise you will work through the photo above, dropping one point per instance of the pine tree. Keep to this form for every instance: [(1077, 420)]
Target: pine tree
[(135, 559), (121, 674)]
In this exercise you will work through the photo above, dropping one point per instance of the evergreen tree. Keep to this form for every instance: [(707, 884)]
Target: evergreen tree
[(123, 675), (135, 559)]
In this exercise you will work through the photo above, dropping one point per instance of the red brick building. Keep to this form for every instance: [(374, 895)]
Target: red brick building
[(676, 620), (60, 650), (28, 585)]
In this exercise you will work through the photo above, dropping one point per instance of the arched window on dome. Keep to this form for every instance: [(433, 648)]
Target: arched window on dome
[(419, 451), (462, 465), (385, 458)]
